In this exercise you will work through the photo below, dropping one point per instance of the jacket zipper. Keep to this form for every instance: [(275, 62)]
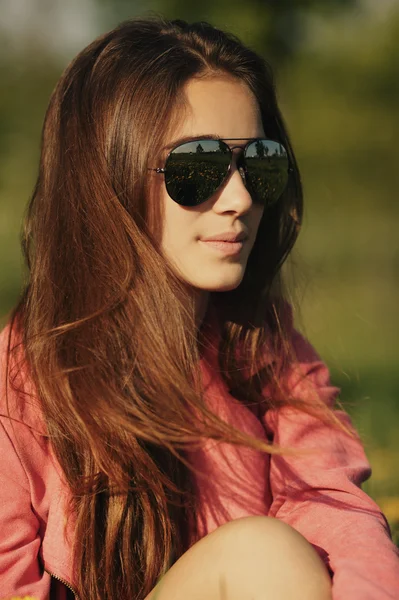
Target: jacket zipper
[(68, 585)]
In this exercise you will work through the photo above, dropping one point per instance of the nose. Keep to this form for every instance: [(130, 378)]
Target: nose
[(235, 196)]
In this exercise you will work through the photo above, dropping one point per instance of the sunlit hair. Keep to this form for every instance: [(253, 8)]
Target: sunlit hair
[(107, 327)]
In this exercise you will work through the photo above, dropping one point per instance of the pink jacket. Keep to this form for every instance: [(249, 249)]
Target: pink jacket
[(319, 495)]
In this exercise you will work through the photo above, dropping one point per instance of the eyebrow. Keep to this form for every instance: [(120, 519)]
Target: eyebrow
[(200, 136)]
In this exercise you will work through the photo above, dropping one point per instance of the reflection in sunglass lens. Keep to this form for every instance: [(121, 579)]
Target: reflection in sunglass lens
[(195, 170), (267, 170)]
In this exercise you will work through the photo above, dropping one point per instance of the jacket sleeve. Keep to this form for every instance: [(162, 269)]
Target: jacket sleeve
[(21, 573), (320, 494), (20, 570)]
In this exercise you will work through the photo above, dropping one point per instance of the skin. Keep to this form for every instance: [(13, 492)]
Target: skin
[(257, 558), (226, 107), (250, 558)]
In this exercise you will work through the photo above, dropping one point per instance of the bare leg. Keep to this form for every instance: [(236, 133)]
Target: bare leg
[(252, 558)]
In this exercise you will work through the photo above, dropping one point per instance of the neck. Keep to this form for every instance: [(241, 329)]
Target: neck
[(201, 306)]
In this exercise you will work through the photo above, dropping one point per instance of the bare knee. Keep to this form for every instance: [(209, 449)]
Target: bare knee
[(267, 545), (253, 557), (261, 533)]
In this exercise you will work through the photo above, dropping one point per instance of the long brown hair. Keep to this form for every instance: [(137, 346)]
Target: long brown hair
[(108, 329)]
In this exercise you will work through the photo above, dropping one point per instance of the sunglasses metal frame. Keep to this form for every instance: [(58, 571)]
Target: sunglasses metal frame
[(216, 139), (251, 141)]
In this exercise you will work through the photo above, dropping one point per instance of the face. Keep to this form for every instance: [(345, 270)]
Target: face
[(226, 108)]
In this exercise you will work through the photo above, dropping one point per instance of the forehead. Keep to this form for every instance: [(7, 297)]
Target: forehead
[(220, 106)]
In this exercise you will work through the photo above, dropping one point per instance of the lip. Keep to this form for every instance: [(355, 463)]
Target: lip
[(227, 236), (226, 248)]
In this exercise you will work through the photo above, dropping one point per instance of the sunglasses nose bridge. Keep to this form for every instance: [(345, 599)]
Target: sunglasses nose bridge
[(234, 162), (238, 159), (237, 163)]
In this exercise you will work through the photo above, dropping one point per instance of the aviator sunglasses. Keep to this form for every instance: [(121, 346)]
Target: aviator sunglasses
[(194, 170)]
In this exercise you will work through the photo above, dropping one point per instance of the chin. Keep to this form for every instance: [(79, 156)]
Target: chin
[(220, 286)]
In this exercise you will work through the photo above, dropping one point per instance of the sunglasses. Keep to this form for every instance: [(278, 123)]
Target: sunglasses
[(196, 169)]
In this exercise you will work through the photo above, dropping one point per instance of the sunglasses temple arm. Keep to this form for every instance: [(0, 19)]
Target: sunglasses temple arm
[(157, 170)]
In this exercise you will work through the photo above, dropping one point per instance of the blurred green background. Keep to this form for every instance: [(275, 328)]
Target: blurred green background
[(336, 66)]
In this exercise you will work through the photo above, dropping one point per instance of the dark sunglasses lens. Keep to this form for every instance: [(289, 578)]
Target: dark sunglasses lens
[(267, 168), (195, 170)]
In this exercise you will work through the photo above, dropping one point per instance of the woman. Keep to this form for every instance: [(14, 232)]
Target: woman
[(165, 431)]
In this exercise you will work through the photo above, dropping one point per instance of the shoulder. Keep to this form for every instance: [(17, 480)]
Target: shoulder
[(24, 444), (18, 401), (301, 373)]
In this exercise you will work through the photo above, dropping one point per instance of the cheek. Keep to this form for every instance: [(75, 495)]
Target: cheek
[(257, 215), (254, 222), (178, 225)]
